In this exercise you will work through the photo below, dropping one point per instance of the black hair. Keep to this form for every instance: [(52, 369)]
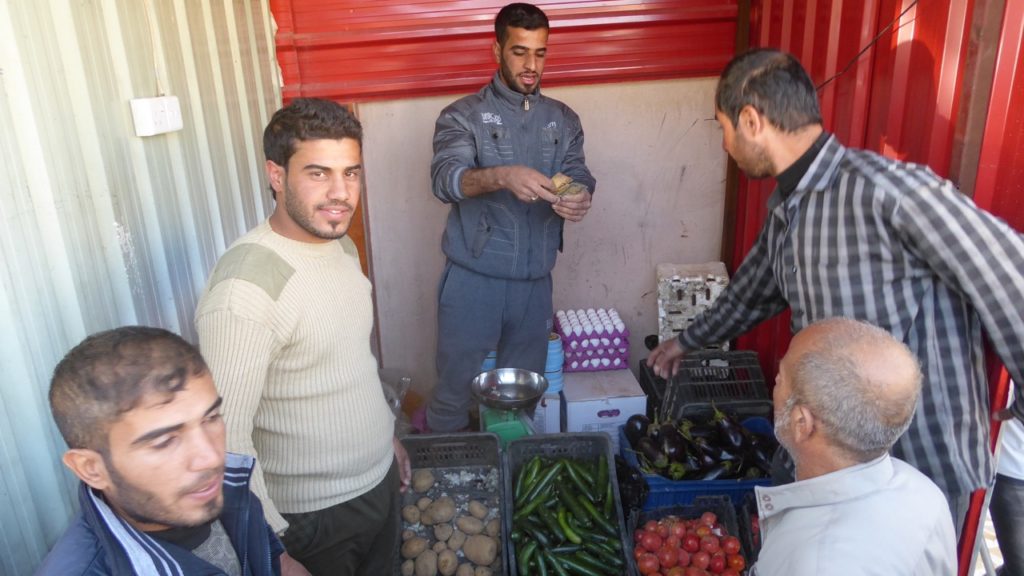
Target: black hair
[(109, 373), (774, 83), (518, 15), (307, 119)]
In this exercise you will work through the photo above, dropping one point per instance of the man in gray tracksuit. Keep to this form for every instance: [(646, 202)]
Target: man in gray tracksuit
[(494, 155)]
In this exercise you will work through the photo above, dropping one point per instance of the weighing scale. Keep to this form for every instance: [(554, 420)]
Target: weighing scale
[(506, 396)]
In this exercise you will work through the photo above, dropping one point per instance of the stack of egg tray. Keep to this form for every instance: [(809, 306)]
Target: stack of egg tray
[(684, 292), (604, 350)]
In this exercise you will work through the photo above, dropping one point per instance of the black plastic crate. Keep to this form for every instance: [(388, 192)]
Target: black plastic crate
[(653, 386), (722, 506), (466, 467), (723, 379), (750, 533), (580, 446)]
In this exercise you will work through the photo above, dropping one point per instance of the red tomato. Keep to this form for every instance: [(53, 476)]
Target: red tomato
[(684, 557), (676, 571), (717, 564), (730, 545), (678, 529), (730, 572), (737, 562), (651, 541), (638, 552), (651, 526), (691, 543), (709, 518), (668, 557), (710, 544), (673, 541), (647, 564), (701, 559), (663, 531), (638, 534), (694, 571), (702, 530)]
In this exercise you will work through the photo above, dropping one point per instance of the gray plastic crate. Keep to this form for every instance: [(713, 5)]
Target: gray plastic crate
[(466, 467), (580, 446)]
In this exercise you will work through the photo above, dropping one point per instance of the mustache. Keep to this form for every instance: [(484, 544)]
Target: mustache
[(203, 481), (335, 204)]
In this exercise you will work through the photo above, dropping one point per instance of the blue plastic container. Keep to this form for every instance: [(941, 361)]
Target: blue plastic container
[(665, 492)]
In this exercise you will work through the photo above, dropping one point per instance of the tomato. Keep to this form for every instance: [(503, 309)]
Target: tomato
[(730, 545), (717, 564), (638, 552), (651, 526), (709, 518), (678, 530), (701, 559), (648, 564), (694, 571), (676, 571), (691, 543), (668, 557), (737, 562), (673, 541), (663, 531), (702, 530), (730, 572), (651, 541), (684, 557), (710, 544)]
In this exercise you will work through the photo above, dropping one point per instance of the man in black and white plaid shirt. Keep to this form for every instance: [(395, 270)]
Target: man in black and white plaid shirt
[(851, 233)]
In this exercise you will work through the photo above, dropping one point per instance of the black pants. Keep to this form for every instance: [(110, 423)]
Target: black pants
[(354, 538)]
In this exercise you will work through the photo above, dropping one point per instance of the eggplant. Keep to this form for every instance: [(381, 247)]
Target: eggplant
[(636, 428), (673, 445), (717, 471), (730, 431), (760, 459), (650, 452), (691, 430)]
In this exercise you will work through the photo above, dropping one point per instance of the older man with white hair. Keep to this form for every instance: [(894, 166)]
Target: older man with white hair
[(845, 392)]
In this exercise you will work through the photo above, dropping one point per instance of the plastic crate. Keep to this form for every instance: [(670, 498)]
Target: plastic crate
[(581, 446), (721, 506), (664, 492), (466, 467), (749, 534), (721, 379)]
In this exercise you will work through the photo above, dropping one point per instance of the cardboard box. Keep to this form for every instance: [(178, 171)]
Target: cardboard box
[(602, 401), (549, 417)]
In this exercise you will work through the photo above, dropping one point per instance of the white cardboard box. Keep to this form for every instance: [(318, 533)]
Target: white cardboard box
[(602, 401), (547, 418)]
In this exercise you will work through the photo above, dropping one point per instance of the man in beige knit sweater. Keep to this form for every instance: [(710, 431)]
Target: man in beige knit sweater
[(285, 326)]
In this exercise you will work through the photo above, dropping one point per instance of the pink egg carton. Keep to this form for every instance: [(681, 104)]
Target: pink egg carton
[(593, 346), (606, 360)]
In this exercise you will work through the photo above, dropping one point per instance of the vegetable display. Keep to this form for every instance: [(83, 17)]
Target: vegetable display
[(717, 448), (565, 521), (673, 546)]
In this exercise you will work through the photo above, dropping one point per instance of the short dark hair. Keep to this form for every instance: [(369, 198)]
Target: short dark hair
[(519, 15), (774, 83), (307, 119), (109, 373)]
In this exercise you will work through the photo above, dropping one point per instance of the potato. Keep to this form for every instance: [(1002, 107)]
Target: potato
[(422, 503), (412, 547), (457, 539), (447, 563), (422, 480), (443, 531), (493, 528), (426, 563), (469, 525), (465, 570), (439, 547), (409, 567), (480, 550), (406, 534), (411, 514), (441, 510), (426, 518), (478, 510), (482, 571)]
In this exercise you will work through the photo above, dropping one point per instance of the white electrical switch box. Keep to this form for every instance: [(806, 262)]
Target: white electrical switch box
[(156, 115)]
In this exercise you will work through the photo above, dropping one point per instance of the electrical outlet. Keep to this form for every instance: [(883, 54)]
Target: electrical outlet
[(156, 115)]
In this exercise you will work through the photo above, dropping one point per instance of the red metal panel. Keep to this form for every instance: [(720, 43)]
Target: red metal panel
[(354, 51)]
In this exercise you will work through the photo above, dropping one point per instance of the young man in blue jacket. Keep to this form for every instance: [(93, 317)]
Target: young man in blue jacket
[(159, 494)]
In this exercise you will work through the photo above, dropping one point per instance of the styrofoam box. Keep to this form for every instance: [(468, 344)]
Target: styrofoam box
[(601, 401), (684, 292), (547, 417)]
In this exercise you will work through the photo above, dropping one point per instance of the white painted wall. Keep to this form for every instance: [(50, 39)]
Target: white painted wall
[(655, 150)]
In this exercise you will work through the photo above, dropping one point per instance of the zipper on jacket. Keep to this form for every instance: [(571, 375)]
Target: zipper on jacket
[(526, 103)]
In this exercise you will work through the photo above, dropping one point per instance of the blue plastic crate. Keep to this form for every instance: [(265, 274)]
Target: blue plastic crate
[(665, 492)]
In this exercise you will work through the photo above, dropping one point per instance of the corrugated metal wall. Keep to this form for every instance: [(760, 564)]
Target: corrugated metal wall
[(352, 50), (100, 228)]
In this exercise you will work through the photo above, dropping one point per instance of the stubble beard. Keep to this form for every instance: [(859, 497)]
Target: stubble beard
[(297, 212)]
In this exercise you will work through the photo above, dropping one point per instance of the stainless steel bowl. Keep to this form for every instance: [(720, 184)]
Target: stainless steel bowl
[(509, 388)]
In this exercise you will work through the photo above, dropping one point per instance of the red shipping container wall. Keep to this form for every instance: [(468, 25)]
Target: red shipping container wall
[(353, 51), (899, 98)]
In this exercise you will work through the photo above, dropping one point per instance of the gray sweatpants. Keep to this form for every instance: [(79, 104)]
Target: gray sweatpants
[(477, 314)]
